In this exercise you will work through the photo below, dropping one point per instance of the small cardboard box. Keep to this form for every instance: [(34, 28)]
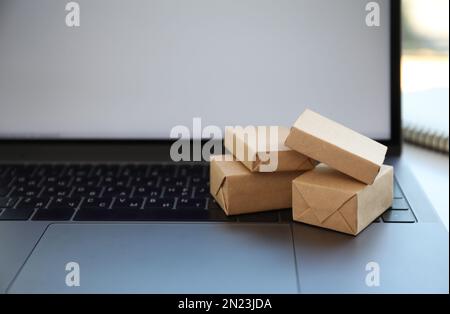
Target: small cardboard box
[(262, 149), (327, 198), (337, 146), (239, 191)]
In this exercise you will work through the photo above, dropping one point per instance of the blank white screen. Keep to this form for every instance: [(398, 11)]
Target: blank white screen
[(135, 69)]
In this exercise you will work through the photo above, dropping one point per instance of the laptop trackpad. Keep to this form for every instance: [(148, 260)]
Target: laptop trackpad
[(164, 258)]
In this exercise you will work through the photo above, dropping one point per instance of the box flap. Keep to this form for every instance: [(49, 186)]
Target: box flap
[(228, 168), (326, 190), (343, 219), (222, 199), (217, 176)]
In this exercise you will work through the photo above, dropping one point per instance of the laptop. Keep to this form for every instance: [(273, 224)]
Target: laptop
[(90, 95)]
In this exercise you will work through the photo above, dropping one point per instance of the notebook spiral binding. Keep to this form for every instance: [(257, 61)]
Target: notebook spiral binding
[(426, 137)]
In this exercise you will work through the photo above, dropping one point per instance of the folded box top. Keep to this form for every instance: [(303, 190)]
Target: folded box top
[(258, 139), (263, 149)]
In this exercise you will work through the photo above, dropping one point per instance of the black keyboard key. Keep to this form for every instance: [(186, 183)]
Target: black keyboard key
[(134, 170), (63, 182), (22, 170), (115, 182), (111, 191), (259, 217), (94, 214), (78, 170), (50, 180), (26, 191), (128, 203), (400, 204), (191, 203), (196, 180), (201, 191), (64, 203), (212, 204), (5, 182), (3, 170), (399, 216), (151, 215), (86, 182), (57, 181), (56, 191), (32, 182), (159, 203), (8, 202), (106, 170), (62, 214), (147, 192), (21, 181), (184, 171), (144, 182), (162, 171), (181, 192), (32, 203), (16, 214), (49, 170), (83, 191), (192, 170), (114, 215), (175, 182), (187, 215), (26, 182), (4, 191), (96, 203)]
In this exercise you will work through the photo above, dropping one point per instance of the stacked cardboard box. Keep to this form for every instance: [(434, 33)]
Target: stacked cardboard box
[(244, 186), (346, 192)]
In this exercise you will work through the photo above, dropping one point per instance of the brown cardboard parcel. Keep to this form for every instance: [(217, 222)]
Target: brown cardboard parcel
[(239, 191), (327, 198), (337, 146), (268, 154)]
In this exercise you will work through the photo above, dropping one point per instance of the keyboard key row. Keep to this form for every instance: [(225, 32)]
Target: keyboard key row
[(398, 216), (130, 212), (145, 190), (151, 215), (105, 170), (107, 203)]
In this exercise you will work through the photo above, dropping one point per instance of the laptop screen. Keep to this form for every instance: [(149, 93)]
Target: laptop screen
[(112, 69)]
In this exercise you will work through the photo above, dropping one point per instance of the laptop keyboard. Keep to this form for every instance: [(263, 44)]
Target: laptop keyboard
[(129, 192)]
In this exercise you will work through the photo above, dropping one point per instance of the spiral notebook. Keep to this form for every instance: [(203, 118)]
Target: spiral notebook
[(426, 119)]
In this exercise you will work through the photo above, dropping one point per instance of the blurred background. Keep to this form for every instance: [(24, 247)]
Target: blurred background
[(425, 77), (425, 72)]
